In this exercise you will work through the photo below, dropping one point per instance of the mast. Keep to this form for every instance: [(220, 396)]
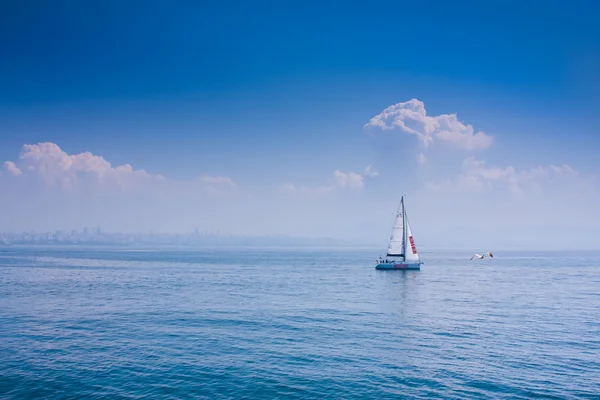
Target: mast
[(404, 238)]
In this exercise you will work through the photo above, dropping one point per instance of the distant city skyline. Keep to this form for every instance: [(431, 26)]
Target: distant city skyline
[(309, 120), (95, 236)]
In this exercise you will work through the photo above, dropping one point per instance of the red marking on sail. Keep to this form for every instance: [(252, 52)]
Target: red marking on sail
[(412, 245)]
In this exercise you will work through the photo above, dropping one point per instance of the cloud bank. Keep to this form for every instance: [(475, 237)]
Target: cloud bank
[(85, 171), (57, 168), (453, 199), (476, 175), (47, 188)]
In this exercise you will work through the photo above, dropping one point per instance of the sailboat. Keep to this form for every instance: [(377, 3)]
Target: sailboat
[(402, 251)]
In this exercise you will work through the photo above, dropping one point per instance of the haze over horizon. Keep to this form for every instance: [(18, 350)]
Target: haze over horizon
[(305, 120)]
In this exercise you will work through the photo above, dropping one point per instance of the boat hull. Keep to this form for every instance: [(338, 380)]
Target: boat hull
[(401, 266)]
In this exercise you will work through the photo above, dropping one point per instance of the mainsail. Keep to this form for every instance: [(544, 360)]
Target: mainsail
[(396, 245), (401, 241)]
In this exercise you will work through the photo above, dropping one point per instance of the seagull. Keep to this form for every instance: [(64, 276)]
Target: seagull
[(480, 256)]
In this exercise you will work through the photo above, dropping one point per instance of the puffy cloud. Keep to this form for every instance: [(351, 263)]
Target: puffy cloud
[(57, 168), (12, 168), (59, 190), (411, 117)]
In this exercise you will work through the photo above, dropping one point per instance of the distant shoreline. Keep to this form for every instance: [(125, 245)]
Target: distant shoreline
[(377, 250)]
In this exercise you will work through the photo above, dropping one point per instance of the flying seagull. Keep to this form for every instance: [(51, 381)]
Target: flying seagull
[(480, 256)]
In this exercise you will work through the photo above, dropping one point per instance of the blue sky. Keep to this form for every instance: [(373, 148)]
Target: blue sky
[(274, 95)]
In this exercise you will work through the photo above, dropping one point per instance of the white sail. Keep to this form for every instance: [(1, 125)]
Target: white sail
[(396, 245), (410, 250)]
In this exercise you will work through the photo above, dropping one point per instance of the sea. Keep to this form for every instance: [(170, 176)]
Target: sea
[(296, 323)]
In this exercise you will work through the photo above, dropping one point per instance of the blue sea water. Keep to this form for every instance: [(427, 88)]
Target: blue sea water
[(296, 323)]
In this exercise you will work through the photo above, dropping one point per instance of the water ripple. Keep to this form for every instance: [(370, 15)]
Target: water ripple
[(87, 323)]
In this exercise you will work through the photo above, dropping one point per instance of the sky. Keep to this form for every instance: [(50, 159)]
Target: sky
[(305, 119)]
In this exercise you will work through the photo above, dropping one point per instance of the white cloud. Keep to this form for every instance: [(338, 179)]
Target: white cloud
[(340, 181), (475, 174), (421, 159), (57, 168), (12, 168), (348, 179), (411, 117), (370, 172), (507, 205)]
